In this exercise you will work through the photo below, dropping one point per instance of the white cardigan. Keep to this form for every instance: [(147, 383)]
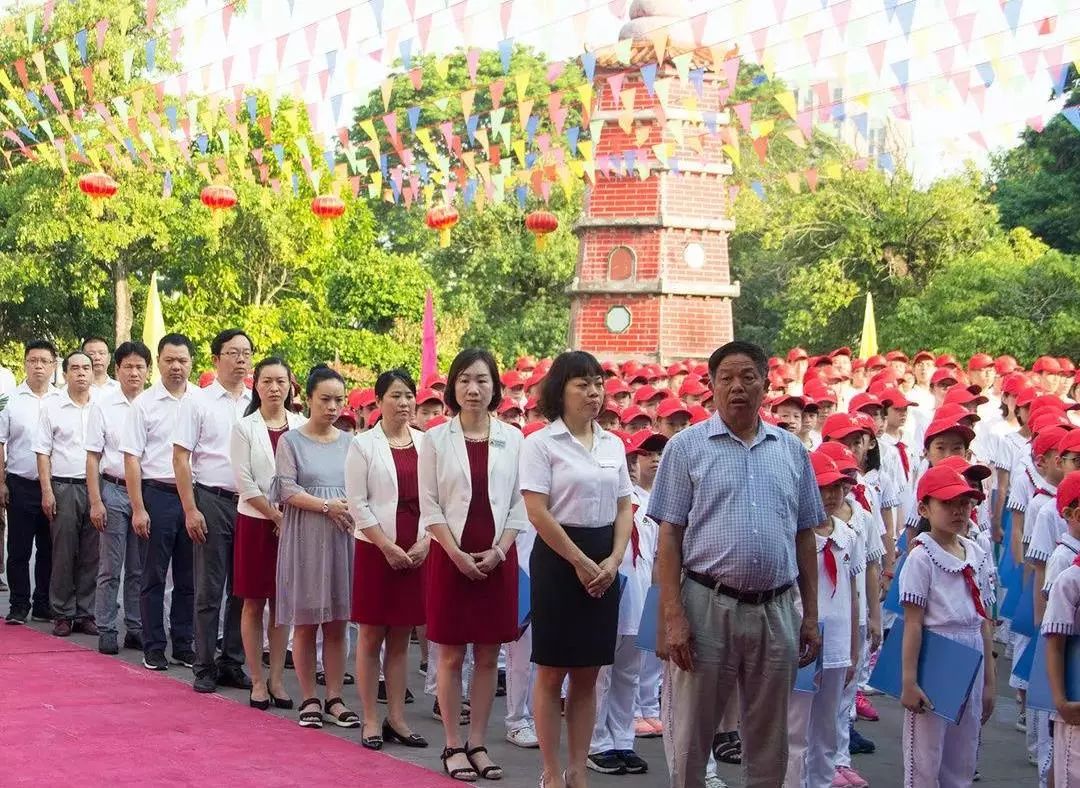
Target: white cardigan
[(371, 482), (446, 481), (252, 457)]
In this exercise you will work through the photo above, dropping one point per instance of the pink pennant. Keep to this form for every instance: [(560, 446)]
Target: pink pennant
[(253, 58), (257, 154), (1053, 56), (813, 45), (961, 82), (390, 121), (50, 91), (758, 39), (226, 18), (226, 69), (860, 164), (697, 27), (183, 84), (617, 8), (615, 82), (581, 24), (543, 142), (779, 5), (230, 113), (722, 95), (558, 118), (978, 138), (416, 77), (376, 55), (951, 7), (964, 25), (423, 30), (447, 129), (821, 91), (302, 69), (1037, 122), (555, 71), (411, 5), (1030, 61), (811, 176), (314, 115), (496, 89), (877, 55), (174, 42), (945, 59), (841, 12), (47, 13), (554, 101), (731, 71), (324, 81), (805, 119), (978, 93), (354, 181), (472, 59), (343, 19), (100, 29), (742, 112), (310, 32), (282, 41), (457, 13), (504, 16), (1046, 26)]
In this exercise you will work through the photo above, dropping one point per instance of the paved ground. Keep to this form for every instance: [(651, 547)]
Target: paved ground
[(1002, 762)]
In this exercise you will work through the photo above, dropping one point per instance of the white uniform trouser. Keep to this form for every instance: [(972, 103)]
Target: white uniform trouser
[(616, 689), (812, 734), (519, 679), (1066, 755), (1044, 744), (647, 703), (845, 715), (936, 752)]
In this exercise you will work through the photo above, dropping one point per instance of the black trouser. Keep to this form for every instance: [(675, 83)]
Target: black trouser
[(27, 529)]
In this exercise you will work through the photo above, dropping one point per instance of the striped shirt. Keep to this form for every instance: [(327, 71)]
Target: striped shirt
[(740, 505)]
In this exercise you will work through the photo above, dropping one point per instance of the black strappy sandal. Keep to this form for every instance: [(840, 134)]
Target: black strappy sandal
[(346, 719), (488, 772), (466, 774), (311, 719), (727, 748)]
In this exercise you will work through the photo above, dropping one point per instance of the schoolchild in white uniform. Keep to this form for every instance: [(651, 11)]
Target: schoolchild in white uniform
[(1062, 620), (946, 588), (813, 738)]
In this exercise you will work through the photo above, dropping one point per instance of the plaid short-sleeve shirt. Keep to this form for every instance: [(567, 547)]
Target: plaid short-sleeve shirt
[(740, 504)]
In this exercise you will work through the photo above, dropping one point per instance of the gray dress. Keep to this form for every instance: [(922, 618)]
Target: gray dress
[(315, 558)]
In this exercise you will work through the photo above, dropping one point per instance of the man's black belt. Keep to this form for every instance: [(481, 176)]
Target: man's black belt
[(163, 486), (220, 492), (114, 479), (67, 480), (746, 597)]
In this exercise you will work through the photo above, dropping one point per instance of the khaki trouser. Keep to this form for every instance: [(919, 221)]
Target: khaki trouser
[(749, 648)]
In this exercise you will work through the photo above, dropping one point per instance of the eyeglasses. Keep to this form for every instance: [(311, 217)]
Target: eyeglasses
[(236, 354)]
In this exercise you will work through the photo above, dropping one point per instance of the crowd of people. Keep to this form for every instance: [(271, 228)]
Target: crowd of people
[(254, 522)]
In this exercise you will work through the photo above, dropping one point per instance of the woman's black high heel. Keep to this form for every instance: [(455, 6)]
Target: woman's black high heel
[(391, 735)]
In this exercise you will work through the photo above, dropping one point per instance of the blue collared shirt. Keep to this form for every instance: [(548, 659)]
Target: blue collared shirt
[(740, 505)]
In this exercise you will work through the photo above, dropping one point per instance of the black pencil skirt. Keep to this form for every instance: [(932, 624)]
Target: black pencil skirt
[(570, 628)]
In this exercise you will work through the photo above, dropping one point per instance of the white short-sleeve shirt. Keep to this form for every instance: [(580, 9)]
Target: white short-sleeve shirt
[(1062, 616), (61, 436), (108, 414), (1047, 532), (1064, 554), (1042, 498), (204, 427), (834, 603), (933, 579), (19, 423), (583, 487), (147, 433)]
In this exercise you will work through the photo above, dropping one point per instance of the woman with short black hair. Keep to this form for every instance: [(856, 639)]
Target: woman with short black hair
[(576, 486)]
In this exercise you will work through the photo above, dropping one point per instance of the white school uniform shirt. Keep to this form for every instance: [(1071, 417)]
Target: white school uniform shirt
[(61, 436), (1009, 444), (834, 604), (108, 414), (875, 496), (1024, 478), (147, 433), (204, 427), (446, 478), (1062, 616), (1064, 554), (371, 484), (989, 412), (933, 580), (638, 574), (19, 423), (648, 529), (583, 487), (1047, 532), (251, 455), (866, 530), (1043, 497)]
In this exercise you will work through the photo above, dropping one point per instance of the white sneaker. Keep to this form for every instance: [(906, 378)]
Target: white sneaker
[(715, 782), (867, 690), (523, 737)]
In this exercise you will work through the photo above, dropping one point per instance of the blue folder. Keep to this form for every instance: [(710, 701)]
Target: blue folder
[(646, 634), (1020, 595), (1022, 669), (947, 670), (808, 679), (901, 543), (892, 596), (1038, 694), (1023, 619)]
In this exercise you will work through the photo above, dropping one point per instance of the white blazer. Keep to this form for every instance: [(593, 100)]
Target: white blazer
[(446, 481), (252, 457), (371, 482)]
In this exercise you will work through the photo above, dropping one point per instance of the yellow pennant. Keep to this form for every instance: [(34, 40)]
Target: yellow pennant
[(521, 84), (786, 100)]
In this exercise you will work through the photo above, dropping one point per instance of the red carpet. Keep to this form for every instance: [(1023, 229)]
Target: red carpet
[(73, 716)]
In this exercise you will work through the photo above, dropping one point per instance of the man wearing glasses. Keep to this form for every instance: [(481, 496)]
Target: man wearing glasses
[(207, 488), (20, 490)]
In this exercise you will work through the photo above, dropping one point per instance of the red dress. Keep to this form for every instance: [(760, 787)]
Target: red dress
[(382, 596), (460, 610), (255, 547)]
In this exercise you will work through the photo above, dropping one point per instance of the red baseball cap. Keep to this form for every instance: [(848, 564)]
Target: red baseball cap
[(206, 378), (610, 406), (676, 369), (693, 387), (1026, 397), (435, 421), (896, 355), (613, 386), (825, 471), (1053, 401), (525, 364), (429, 395), (794, 399), (1048, 419), (644, 441), (841, 351), (980, 361), (968, 470), (645, 394), (698, 414), (1005, 365), (536, 378), (610, 366), (877, 362), (1047, 441), (366, 399), (1047, 364), (349, 415), (942, 374), (1070, 443), (819, 391), (796, 354), (866, 421), (1013, 383), (945, 360), (531, 427), (963, 395), (839, 425), (669, 407), (942, 426), (374, 419), (1067, 367), (858, 363), (512, 379), (633, 412), (946, 484), (507, 404), (840, 454), (922, 355), (894, 398), (1068, 492), (955, 412), (863, 400), (434, 380), (532, 403)]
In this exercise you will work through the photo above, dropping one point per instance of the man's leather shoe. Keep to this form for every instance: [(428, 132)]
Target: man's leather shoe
[(61, 628), (107, 643), (233, 676), (133, 641), (86, 626), (205, 682)]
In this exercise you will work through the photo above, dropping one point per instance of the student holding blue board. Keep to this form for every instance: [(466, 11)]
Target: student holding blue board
[(945, 589)]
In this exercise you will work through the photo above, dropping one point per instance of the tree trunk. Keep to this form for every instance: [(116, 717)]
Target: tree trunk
[(122, 292)]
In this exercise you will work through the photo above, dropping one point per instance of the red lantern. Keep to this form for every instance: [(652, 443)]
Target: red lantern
[(218, 199), (328, 208), (98, 187), (540, 223), (441, 218)]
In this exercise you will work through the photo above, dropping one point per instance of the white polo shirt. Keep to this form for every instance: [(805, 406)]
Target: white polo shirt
[(62, 434), (147, 432), (204, 427), (107, 418), (19, 422)]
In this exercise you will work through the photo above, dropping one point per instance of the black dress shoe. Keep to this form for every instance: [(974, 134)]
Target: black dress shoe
[(391, 735), (261, 705), (205, 682), (233, 676), (133, 640), (107, 643), (279, 703)]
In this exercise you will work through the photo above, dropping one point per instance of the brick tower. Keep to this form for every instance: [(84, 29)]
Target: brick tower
[(652, 278)]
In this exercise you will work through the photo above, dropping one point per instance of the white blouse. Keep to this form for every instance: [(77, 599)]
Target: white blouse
[(251, 455), (1063, 555), (834, 604), (933, 579), (371, 486), (1062, 616), (1047, 526), (583, 487)]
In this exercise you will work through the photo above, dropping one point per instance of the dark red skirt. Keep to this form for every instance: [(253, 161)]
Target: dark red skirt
[(255, 548), (382, 596), (462, 611)]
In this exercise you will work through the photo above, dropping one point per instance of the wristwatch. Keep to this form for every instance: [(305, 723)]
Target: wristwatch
[(325, 507)]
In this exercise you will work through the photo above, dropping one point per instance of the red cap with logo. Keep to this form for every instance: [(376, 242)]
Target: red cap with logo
[(894, 398), (839, 425), (1005, 365), (1013, 383), (863, 400), (954, 412), (693, 387), (841, 455), (819, 391), (1068, 492), (945, 484), (1047, 441), (963, 395), (525, 364), (613, 386), (980, 361), (428, 395), (825, 471), (1048, 419), (610, 406), (507, 405)]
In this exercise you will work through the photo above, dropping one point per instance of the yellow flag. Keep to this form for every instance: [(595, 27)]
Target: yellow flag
[(153, 324), (868, 344)]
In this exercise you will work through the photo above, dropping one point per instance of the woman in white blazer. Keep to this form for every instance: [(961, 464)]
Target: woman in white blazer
[(251, 452), (471, 505), (388, 582)]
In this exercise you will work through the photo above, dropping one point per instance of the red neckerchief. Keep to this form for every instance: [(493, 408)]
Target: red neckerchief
[(1043, 491), (975, 516), (1076, 561), (859, 491), (973, 588), (904, 461), (635, 538), (830, 562)]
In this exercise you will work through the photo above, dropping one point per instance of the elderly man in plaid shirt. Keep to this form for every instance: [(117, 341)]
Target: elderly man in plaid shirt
[(737, 502)]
